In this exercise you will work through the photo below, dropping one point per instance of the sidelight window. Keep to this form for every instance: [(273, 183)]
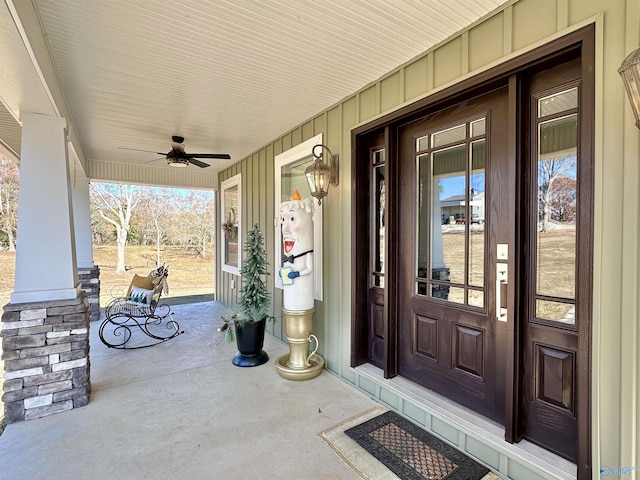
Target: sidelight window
[(556, 166), (377, 220), (450, 230)]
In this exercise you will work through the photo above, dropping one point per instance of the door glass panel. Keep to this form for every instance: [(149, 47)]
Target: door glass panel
[(478, 127), (422, 220), (378, 213), (422, 143), (558, 102), (448, 136), (557, 207), (476, 212), (476, 298), (449, 180), (454, 294), (450, 239), (560, 312)]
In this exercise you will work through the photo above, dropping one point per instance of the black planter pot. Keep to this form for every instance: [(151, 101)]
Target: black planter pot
[(250, 339)]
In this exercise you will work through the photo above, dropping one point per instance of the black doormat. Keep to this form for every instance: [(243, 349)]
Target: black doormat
[(412, 453)]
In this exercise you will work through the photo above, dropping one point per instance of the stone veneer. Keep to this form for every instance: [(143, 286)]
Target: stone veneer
[(46, 357), (90, 284)]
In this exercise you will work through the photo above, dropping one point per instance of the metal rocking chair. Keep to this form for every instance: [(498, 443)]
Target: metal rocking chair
[(139, 311)]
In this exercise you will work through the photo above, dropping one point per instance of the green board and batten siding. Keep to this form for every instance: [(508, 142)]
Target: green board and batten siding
[(517, 27)]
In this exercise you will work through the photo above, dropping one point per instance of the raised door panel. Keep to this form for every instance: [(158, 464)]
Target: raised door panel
[(468, 350)]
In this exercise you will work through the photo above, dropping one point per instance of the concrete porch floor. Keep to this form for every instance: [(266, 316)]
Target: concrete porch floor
[(182, 410)]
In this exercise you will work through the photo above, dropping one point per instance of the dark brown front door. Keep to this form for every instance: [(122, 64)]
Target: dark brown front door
[(487, 222), (454, 196)]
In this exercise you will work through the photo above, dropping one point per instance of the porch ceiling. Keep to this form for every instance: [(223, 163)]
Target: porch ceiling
[(228, 75)]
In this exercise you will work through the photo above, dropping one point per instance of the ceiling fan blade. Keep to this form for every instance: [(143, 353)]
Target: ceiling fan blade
[(198, 163), (139, 150), (222, 156), (156, 159)]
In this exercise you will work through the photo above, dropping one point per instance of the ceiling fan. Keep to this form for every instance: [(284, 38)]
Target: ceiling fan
[(177, 157)]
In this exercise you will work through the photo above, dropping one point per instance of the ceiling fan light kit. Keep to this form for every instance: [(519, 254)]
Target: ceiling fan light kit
[(177, 163)]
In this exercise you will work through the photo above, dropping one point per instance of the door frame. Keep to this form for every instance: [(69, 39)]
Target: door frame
[(583, 41)]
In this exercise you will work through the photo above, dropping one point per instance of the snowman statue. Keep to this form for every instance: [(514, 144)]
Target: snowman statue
[(296, 277), (296, 267)]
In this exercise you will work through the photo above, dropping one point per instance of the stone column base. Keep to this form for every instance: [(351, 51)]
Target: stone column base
[(90, 284), (46, 357)]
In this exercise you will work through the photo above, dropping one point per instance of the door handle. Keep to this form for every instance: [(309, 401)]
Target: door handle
[(502, 278)]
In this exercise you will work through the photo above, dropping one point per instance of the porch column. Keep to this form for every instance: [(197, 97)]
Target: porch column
[(45, 254), (45, 328), (88, 272)]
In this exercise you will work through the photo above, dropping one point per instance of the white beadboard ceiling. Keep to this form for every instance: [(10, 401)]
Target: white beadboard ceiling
[(228, 75)]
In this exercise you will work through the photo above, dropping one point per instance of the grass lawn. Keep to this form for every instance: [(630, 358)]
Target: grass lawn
[(189, 273)]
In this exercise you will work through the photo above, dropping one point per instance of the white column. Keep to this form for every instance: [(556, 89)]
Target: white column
[(45, 256), (82, 219)]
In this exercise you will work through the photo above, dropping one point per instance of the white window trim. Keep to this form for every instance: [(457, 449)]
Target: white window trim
[(234, 181)]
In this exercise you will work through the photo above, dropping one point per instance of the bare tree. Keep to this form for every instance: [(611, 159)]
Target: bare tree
[(101, 231), (563, 200), (549, 171), (115, 203), (156, 215), (9, 186), (197, 221)]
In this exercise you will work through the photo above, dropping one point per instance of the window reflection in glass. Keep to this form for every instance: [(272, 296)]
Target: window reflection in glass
[(423, 217), (478, 127), (450, 192), (454, 294), (476, 212), (450, 135), (449, 178), (230, 226), (560, 312), (293, 178), (378, 213), (558, 102), (557, 207), (422, 143), (476, 298)]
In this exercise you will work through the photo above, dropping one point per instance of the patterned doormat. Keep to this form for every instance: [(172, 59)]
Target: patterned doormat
[(412, 453)]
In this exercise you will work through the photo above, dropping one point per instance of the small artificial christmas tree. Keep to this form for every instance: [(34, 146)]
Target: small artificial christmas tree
[(254, 298)]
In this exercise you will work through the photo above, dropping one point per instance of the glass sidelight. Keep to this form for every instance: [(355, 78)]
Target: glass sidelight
[(377, 222), (555, 245), (451, 240)]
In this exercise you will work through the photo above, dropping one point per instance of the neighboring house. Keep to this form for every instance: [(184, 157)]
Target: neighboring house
[(455, 206)]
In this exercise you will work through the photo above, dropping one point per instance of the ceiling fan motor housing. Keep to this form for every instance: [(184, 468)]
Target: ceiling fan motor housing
[(176, 158)]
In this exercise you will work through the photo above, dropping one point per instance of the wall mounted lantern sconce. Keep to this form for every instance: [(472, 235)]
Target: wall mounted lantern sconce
[(321, 174), (630, 71)]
